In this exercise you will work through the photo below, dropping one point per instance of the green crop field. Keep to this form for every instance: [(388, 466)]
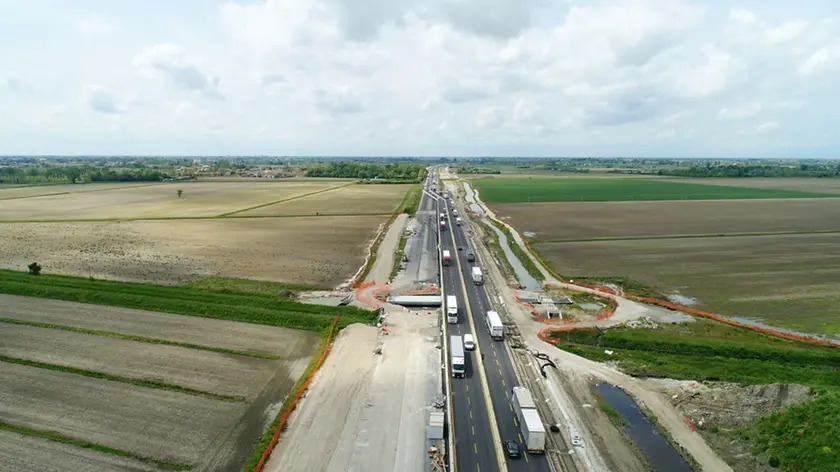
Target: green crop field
[(802, 437), (620, 189)]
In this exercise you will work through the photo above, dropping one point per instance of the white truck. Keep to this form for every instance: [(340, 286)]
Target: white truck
[(442, 225), (530, 424), (495, 326), (447, 257), (457, 358), (458, 221), (451, 309), (477, 276)]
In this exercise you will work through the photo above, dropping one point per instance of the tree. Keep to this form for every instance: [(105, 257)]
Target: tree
[(180, 192), (34, 268)]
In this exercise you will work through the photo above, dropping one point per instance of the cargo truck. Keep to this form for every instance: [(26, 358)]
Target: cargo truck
[(477, 276), (530, 424), (442, 225), (533, 431), (457, 359), (451, 309), (495, 326), (458, 221), (447, 257)]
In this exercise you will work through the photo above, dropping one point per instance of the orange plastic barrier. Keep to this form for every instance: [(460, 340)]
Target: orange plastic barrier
[(293, 404)]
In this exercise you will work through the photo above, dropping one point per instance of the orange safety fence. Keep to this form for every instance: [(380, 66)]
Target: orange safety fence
[(284, 418)]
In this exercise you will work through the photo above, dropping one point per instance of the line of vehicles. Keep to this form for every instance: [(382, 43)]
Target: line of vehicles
[(531, 429)]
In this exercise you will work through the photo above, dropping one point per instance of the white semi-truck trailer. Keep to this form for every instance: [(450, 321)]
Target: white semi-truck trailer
[(530, 424), (477, 276), (495, 326), (457, 359), (451, 309)]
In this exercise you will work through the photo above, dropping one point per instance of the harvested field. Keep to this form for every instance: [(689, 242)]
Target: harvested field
[(355, 199), (20, 453), (788, 280), (580, 221), (155, 423), (607, 190), (28, 191), (200, 199), (286, 343), (314, 250), (212, 372)]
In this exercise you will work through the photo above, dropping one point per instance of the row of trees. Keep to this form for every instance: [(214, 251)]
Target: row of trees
[(747, 170), (77, 174), (359, 170)]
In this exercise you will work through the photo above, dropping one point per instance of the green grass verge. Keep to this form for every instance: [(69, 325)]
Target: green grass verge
[(147, 383), (235, 306), (234, 285), (803, 437), (520, 253), (527, 190), (398, 256), (411, 201), (268, 434), (128, 337), (706, 350), (57, 437)]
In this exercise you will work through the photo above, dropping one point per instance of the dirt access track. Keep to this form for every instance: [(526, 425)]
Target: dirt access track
[(367, 411)]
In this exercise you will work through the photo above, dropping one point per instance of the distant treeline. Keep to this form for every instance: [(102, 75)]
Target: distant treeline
[(77, 174), (358, 170), (477, 170), (733, 170)]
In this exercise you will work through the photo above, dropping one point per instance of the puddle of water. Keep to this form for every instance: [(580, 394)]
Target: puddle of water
[(474, 206), (661, 455), (525, 279)]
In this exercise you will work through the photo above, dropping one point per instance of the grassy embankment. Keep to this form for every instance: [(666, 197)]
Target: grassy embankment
[(248, 307), (803, 437), (520, 253)]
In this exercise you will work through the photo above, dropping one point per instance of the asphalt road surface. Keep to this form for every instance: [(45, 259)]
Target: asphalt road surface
[(474, 442)]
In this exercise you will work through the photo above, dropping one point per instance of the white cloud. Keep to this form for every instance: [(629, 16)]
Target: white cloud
[(767, 127), (440, 77), (740, 112)]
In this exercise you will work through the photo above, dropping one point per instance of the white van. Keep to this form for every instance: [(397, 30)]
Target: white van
[(469, 342)]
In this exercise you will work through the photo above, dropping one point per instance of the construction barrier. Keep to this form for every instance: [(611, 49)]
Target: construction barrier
[(284, 418)]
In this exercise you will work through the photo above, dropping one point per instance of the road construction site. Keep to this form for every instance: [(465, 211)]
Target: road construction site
[(369, 406)]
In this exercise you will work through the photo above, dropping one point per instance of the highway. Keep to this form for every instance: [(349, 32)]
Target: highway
[(475, 447)]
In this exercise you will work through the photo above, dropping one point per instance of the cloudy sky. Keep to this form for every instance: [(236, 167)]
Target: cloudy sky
[(421, 77)]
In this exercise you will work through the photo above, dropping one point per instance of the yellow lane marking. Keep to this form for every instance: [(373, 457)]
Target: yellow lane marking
[(475, 446)]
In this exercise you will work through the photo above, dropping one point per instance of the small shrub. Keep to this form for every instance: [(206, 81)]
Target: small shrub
[(775, 462), (34, 268)]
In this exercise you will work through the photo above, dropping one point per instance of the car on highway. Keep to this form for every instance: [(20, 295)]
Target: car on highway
[(470, 255), (469, 342), (512, 449), (577, 441)]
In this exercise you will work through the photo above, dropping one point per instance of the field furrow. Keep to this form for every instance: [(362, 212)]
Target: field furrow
[(218, 373), (19, 453), (153, 423), (287, 343)]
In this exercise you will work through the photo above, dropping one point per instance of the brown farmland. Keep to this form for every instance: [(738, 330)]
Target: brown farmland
[(200, 199), (791, 280), (355, 199), (591, 220), (20, 453), (283, 342), (27, 191), (208, 433), (316, 250)]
